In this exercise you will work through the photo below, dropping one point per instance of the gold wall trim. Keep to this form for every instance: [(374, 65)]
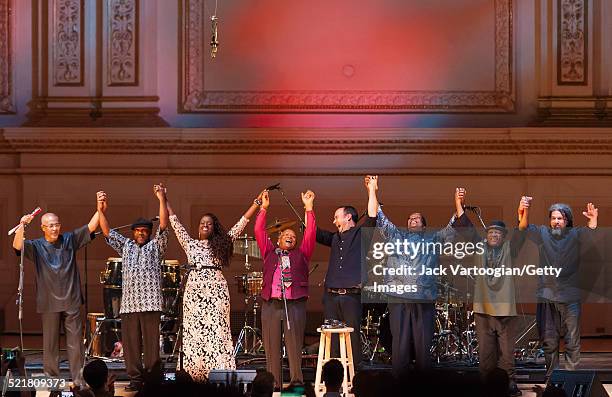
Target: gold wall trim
[(123, 41), (310, 142), (572, 42), (195, 98), (68, 42), (6, 63)]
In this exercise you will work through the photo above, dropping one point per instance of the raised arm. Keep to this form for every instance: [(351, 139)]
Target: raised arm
[(591, 213), (523, 212), (18, 239), (182, 236), (261, 236), (459, 201), (94, 222), (254, 207), (387, 228), (371, 183), (238, 228), (102, 206), (308, 242), (160, 193)]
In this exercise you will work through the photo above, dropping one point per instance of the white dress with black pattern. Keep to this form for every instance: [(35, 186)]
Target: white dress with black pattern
[(207, 339)]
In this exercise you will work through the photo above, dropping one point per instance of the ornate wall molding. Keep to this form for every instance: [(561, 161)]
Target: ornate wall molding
[(572, 42), (123, 32), (68, 42), (6, 70), (195, 98), (309, 142)]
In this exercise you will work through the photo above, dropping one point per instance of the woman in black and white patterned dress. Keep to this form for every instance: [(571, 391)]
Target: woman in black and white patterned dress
[(207, 339)]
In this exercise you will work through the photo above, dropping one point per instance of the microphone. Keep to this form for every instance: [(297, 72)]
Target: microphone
[(470, 207), (36, 211), (274, 187), (214, 40)]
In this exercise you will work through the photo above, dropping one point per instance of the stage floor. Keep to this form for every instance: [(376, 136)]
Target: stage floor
[(527, 375), (597, 356)]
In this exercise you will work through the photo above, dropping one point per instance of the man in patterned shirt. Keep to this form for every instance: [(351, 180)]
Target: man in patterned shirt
[(141, 300)]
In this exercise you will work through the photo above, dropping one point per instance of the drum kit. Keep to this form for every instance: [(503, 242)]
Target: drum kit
[(454, 338), (249, 283), (103, 330)]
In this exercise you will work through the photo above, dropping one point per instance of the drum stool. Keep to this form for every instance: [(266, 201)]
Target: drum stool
[(346, 357)]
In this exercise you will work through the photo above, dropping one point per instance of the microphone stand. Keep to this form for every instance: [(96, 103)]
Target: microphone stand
[(303, 225), (478, 213), (284, 295), (20, 289), (179, 302)]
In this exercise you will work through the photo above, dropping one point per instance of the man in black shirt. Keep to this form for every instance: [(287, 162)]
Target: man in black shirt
[(58, 285), (342, 296), (558, 308)]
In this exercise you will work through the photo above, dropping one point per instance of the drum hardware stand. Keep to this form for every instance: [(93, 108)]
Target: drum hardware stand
[(242, 342), (282, 192), (178, 343)]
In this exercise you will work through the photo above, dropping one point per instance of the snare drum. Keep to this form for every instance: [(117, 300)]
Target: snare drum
[(252, 283)]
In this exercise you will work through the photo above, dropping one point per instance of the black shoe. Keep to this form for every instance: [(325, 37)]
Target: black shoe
[(514, 390)]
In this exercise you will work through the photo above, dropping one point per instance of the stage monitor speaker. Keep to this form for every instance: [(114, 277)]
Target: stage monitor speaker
[(578, 383), (241, 378)]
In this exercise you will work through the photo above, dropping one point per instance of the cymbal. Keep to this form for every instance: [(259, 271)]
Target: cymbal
[(246, 246), (280, 224)]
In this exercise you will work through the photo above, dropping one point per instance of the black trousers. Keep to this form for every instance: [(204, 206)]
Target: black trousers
[(556, 320), (496, 340), (412, 328), (272, 313), (140, 334), (346, 308), (73, 325)]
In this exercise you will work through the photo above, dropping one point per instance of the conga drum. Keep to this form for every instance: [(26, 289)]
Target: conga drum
[(111, 279), (101, 335)]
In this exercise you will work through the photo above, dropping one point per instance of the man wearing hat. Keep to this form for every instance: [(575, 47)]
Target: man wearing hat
[(494, 296), (558, 309), (141, 298)]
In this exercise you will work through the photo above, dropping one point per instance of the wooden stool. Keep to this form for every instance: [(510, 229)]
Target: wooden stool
[(346, 358)]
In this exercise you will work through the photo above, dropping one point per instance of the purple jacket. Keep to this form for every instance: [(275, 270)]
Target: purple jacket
[(299, 256)]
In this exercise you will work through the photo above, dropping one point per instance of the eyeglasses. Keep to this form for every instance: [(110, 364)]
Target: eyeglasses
[(53, 226)]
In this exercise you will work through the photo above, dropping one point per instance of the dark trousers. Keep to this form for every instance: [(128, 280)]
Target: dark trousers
[(346, 308), (496, 340), (272, 313), (555, 320), (73, 326), (140, 334), (412, 328)]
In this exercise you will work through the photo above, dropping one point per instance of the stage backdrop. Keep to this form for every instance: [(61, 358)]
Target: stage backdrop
[(222, 170)]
